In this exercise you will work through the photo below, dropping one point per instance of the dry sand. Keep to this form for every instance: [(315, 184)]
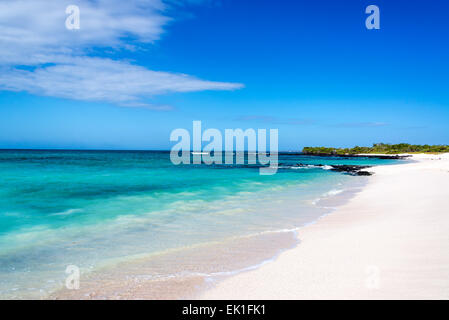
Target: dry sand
[(391, 241)]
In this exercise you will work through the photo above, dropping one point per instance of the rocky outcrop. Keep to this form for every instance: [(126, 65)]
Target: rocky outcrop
[(348, 169), (352, 169)]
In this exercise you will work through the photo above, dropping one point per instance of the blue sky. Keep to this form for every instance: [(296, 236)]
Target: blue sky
[(138, 69)]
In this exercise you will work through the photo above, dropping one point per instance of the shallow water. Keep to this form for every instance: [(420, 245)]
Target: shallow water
[(99, 210)]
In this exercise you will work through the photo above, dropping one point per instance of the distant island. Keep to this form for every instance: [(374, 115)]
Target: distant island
[(377, 148)]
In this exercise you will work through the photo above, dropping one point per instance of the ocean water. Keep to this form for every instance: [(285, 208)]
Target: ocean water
[(100, 209)]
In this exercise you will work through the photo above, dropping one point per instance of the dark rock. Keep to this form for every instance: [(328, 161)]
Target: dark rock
[(364, 173), (347, 168), (354, 170)]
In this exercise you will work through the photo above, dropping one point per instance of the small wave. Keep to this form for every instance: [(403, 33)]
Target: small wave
[(66, 212), (333, 192), (311, 166), (330, 193), (303, 167)]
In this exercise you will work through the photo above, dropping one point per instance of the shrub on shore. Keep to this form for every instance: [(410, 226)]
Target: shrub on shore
[(379, 148)]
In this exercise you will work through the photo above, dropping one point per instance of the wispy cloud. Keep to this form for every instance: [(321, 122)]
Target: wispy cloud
[(274, 120), (39, 55), (304, 122), (99, 79), (361, 125)]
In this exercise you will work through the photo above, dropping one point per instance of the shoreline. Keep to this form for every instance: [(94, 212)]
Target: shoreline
[(394, 248), (231, 256), (236, 255)]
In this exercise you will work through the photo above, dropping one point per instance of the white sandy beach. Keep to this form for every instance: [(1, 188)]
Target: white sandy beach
[(391, 241)]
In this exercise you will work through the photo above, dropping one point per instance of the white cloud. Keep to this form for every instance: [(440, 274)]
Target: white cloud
[(39, 55), (33, 31), (99, 79)]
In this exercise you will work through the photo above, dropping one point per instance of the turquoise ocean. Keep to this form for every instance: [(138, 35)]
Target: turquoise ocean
[(99, 210)]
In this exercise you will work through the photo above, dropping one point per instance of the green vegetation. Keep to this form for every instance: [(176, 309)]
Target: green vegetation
[(379, 148)]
